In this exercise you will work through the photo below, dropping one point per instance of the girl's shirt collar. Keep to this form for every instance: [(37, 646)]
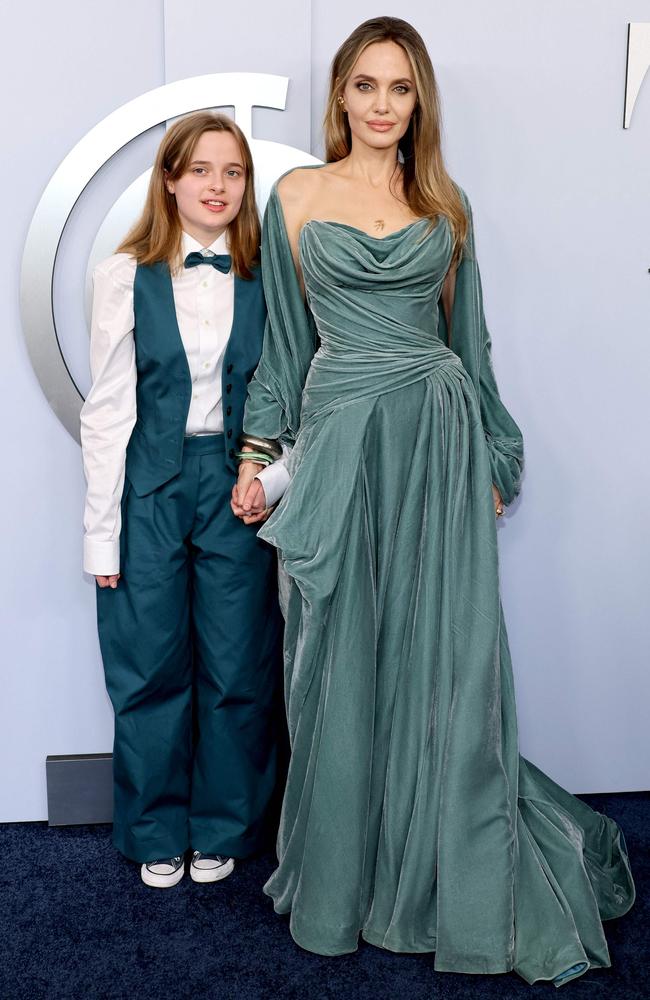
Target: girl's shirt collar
[(190, 245)]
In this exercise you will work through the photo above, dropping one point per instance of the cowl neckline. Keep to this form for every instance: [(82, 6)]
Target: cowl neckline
[(350, 255)]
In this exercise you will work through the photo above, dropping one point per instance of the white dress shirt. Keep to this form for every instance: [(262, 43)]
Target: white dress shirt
[(204, 299)]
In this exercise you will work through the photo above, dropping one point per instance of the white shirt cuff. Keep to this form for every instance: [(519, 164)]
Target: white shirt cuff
[(101, 558), (275, 479)]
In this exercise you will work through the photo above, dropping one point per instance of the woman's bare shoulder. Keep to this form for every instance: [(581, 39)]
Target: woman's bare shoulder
[(296, 195), (302, 185)]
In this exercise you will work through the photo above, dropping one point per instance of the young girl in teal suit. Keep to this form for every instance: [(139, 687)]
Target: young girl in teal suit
[(189, 627)]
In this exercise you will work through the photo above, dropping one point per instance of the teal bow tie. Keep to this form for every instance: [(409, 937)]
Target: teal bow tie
[(221, 261)]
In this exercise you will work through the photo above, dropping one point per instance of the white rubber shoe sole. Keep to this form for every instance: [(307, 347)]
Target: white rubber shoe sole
[(212, 874), (156, 881)]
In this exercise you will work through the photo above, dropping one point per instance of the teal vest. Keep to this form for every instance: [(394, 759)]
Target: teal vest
[(164, 386)]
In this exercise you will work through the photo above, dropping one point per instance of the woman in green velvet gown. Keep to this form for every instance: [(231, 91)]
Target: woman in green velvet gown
[(409, 817)]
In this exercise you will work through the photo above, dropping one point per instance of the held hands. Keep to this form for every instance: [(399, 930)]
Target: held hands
[(248, 500)]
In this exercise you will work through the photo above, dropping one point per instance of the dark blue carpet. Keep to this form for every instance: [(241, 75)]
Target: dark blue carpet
[(76, 923)]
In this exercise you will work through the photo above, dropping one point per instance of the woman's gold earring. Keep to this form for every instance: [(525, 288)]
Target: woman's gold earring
[(341, 102)]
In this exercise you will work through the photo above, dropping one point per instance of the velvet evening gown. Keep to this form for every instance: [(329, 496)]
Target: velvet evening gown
[(409, 817)]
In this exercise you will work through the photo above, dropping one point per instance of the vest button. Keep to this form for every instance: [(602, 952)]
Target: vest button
[(229, 434), (231, 453), (229, 387), (228, 410), (229, 369)]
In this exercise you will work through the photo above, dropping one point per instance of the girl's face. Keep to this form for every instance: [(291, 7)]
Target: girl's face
[(380, 95), (209, 194)]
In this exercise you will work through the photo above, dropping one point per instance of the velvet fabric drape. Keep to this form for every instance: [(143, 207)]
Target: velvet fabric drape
[(409, 816)]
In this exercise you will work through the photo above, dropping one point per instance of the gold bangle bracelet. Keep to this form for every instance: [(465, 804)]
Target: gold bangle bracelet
[(261, 444)]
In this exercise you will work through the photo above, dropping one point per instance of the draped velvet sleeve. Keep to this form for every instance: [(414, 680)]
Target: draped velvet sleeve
[(470, 340), (275, 391)]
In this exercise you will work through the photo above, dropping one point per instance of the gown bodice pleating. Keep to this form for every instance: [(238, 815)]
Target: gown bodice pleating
[(374, 303), (409, 817), (390, 284)]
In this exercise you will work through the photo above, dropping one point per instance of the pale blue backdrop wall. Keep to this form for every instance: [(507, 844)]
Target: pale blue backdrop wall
[(533, 104)]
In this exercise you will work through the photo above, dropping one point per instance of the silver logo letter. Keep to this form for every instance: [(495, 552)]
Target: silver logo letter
[(638, 61)]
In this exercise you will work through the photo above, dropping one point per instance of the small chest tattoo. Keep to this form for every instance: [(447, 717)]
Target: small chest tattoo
[(379, 225)]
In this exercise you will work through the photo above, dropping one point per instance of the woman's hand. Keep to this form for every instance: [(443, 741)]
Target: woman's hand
[(253, 506), (108, 581), (246, 475), (498, 502), (248, 499)]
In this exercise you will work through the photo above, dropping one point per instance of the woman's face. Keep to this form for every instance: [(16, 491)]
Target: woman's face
[(380, 95), (209, 194)]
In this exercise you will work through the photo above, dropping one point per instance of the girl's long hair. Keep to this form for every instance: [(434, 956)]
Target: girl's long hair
[(428, 188), (157, 234)]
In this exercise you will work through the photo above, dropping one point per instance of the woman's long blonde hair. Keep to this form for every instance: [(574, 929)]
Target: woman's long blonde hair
[(157, 234), (428, 188)]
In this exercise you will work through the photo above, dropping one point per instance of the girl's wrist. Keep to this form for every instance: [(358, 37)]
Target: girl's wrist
[(248, 454)]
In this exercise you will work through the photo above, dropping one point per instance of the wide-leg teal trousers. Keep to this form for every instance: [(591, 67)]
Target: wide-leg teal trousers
[(191, 643)]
